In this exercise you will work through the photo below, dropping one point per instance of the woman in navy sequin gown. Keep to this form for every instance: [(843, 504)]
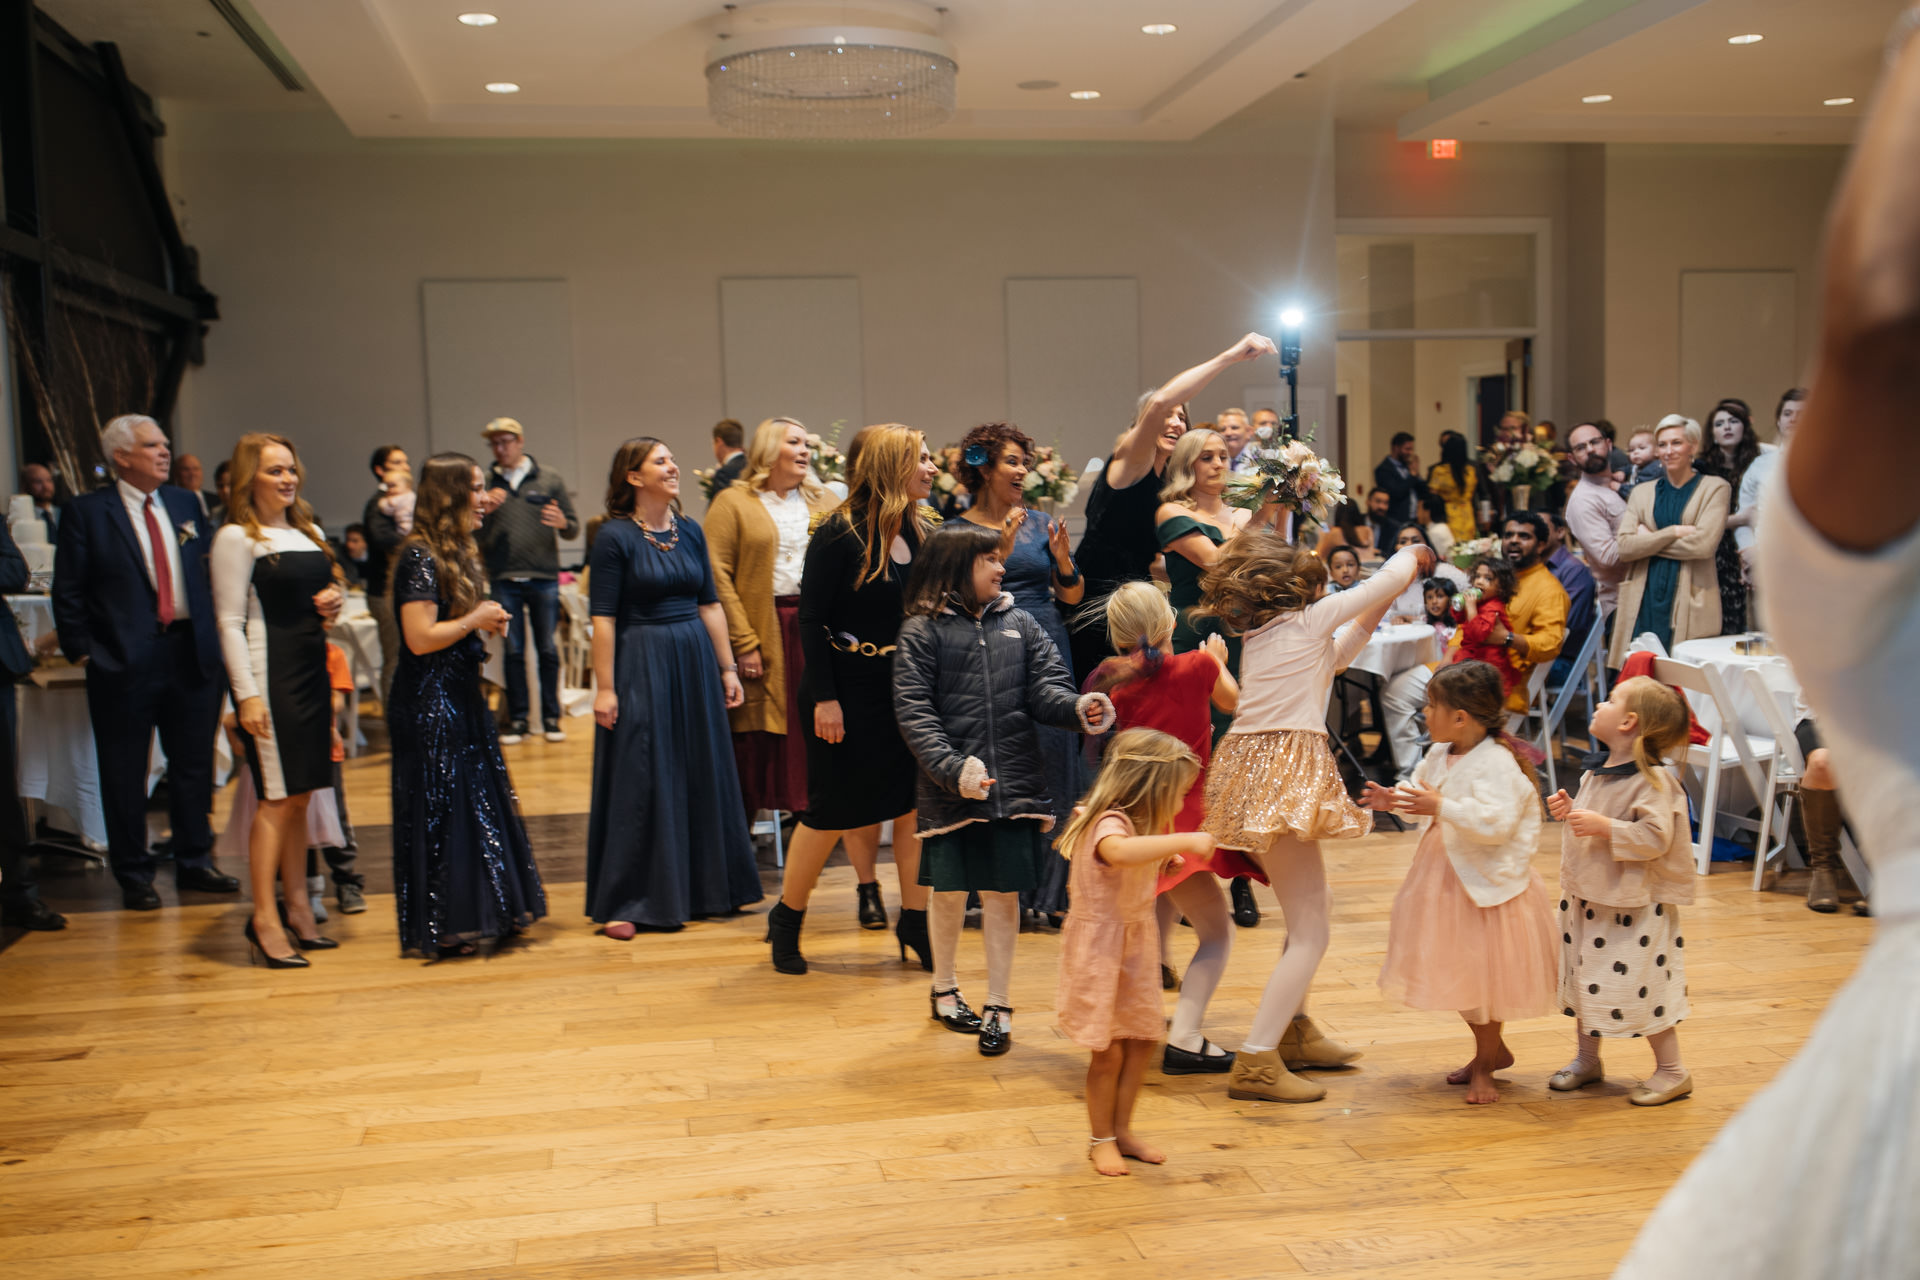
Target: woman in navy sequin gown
[(667, 839), (462, 868)]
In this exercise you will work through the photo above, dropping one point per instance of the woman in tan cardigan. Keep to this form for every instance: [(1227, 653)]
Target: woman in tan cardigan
[(1668, 536), (757, 539)]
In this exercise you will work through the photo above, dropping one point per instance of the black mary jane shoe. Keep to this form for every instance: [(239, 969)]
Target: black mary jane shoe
[(1246, 912), (962, 1019), (873, 912), (996, 1034), (1185, 1062)]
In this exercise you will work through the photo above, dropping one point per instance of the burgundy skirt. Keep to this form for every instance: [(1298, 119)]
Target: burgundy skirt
[(773, 766)]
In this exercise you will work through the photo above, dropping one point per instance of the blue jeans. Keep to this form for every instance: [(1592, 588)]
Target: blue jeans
[(541, 598)]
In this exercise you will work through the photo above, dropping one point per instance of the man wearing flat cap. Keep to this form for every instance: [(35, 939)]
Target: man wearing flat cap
[(528, 512)]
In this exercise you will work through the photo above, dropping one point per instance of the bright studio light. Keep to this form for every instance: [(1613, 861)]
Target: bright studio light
[(1292, 318)]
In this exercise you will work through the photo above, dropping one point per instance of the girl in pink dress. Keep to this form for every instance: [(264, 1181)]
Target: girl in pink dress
[(1472, 929), (1109, 996), (1152, 688)]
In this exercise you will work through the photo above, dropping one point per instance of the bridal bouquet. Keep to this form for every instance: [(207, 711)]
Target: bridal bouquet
[(1289, 472), (708, 482), (1050, 479)]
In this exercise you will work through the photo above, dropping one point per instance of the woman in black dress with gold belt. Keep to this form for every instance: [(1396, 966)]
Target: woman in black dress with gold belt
[(859, 771), (1119, 544)]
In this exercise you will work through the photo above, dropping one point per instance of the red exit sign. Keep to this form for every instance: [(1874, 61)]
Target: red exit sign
[(1443, 149)]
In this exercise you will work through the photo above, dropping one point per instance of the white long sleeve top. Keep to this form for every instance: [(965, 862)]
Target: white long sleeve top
[(1489, 818), (1287, 666), (230, 563)]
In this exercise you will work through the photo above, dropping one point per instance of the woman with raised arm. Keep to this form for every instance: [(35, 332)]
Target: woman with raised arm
[(1820, 1173), (1119, 543), (859, 771)]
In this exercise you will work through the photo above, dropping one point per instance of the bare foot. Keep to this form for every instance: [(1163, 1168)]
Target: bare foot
[(1134, 1149), (1107, 1160), (1465, 1073), (1481, 1088)]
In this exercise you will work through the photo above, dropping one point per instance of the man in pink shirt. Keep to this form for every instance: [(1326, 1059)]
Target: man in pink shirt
[(1594, 510)]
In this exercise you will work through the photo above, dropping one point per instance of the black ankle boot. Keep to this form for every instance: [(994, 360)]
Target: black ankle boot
[(912, 932), (873, 912), (783, 931)]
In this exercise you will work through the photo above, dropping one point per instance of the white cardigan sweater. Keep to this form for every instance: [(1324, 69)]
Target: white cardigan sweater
[(1489, 818)]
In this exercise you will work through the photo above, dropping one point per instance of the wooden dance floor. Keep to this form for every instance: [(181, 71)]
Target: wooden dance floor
[(576, 1107)]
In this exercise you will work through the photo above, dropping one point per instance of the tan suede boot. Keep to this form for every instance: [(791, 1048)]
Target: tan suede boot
[(1304, 1045), (1260, 1077), (1820, 813)]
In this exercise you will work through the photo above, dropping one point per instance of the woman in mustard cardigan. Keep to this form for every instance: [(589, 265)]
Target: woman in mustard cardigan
[(1668, 536)]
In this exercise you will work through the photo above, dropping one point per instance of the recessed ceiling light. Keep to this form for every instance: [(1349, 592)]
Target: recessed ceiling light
[(1597, 97), (503, 86), (1837, 102), (478, 19), (1746, 39), (1084, 95), (1159, 29), (1038, 84)]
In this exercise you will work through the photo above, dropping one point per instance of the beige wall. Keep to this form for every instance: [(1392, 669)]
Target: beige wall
[(317, 244), (1671, 209)]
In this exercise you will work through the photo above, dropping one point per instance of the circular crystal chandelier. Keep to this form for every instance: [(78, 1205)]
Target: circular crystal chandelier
[(831, 82)]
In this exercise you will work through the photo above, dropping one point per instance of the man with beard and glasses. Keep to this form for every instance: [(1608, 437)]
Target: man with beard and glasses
[(1594, 509)]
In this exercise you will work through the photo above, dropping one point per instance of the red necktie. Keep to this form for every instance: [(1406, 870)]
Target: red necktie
[(162, 571)]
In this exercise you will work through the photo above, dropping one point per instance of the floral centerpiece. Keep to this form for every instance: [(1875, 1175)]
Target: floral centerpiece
[(1525, 466), (1468, 550), (947, 488), (1289, 472), (1051, 484)]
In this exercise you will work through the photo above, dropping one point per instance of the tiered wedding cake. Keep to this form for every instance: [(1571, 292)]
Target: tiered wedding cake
[(30, 534)]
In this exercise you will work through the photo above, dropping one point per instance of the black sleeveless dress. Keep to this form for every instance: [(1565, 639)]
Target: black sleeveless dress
[(1118, 546)]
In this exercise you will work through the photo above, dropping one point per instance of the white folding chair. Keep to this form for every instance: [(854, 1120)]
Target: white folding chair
[(767, 823), (1728, 744), (1586, 676), (1537, 712), (1790, 768)]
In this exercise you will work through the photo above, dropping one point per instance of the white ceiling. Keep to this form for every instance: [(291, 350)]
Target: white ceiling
[(1489, 70)]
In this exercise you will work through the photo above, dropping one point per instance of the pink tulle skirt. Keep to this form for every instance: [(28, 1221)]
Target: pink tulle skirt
[(1446, 953)]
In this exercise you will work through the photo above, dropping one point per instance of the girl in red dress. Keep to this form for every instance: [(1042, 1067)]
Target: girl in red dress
[(1174, 693)]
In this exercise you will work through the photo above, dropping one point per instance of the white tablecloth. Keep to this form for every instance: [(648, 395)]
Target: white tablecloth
[(34, 614), (1394, 649), (1718, 652), (359, 637)]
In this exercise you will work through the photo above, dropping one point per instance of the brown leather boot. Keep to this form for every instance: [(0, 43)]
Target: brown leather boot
[(1820, 814), (1260, 1077), (1304, 1044)]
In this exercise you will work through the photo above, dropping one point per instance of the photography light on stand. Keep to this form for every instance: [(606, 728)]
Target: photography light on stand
[(1292, 319)]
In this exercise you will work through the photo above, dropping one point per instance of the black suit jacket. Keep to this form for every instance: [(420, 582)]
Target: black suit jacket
[(104, 603), (1405, 490), (15, 661), (728, 473)]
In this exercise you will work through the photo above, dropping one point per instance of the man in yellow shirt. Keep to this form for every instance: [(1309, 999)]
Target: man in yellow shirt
[(1539, 613)]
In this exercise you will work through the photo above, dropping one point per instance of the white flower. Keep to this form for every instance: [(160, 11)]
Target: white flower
[(1033, 481), (945, 482), (1068, 494), (1297, 454)]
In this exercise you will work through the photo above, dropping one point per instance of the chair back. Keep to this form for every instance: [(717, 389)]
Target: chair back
[(1776, 708)]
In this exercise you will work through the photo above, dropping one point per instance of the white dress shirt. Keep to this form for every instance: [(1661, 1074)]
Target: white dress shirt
[(516, 475), (790, 518), (136, 503)]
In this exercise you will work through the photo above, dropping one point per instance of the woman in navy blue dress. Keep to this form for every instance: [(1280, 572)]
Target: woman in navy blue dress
[(667, 838), (462, 868)]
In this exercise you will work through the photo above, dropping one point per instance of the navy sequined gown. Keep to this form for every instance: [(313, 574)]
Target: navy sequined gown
[(667, 838), (462, 867)]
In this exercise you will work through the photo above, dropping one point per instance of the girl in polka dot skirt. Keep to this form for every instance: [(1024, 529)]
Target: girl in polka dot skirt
[(1626, 869)]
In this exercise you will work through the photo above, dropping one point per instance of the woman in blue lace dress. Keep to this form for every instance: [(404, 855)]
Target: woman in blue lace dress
[(994, 460), (667, 838), (462, 868)]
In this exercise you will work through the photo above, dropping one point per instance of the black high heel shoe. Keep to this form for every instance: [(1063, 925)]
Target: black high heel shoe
[(305, 944), (254, 949), (783, 931), (996, 1034), (873, 912), (911, 931), (962, 1019)]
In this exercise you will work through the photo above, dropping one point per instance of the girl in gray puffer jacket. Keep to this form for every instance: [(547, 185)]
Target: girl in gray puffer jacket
[(971, 678)]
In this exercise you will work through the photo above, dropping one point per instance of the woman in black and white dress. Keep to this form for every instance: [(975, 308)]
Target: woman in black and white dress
[(273, 592)]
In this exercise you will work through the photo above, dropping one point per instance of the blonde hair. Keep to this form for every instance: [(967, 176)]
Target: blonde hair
[(1146, 776), (1138, 614), (1688, 427), (763, 452), (878, 508), (1178, 484), (1664, 723), (1259, 576), (245, 466)]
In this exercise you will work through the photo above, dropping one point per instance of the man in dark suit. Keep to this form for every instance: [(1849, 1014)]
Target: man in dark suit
[(132, 600), (728, 441), (20, 905), (37, 479), (1399, 474)]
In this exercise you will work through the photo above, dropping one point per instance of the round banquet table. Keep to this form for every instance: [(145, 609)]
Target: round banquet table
[(1393, 649), (1719, 653)]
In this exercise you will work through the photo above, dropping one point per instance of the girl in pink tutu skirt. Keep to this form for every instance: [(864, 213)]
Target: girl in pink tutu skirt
[(1472, 929), (1109, 998)]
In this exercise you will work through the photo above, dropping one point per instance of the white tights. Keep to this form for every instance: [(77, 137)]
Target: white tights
[(1204, 903), (999, 929), (1299, 879)]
